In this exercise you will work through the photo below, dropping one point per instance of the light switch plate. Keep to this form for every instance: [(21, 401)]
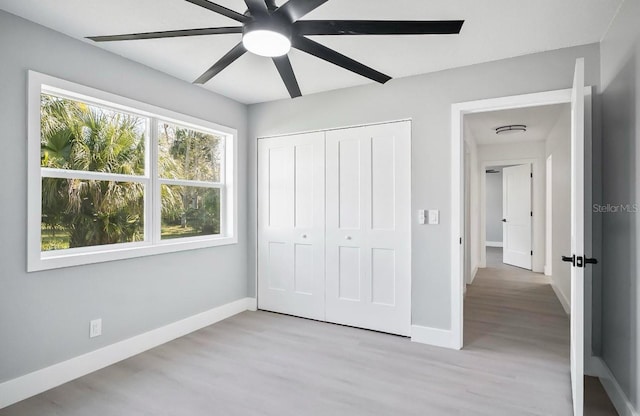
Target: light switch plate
[(434, 216), (422, 216)]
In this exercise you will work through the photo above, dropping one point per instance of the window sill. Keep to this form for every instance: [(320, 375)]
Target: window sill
[(55, 260)]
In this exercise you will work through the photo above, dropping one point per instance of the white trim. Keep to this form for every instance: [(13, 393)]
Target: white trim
[(434, 336), (492, 244), (562, 298), (619, 399), (457, 211), (152, 245), (39, 381), (374, 123), (473, 276), (252, 304)]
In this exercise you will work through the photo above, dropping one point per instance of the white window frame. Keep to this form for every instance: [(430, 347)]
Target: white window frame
[(152, 243)]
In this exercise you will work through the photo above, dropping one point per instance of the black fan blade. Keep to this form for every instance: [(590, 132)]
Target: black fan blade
[(288, 77), (257, 7), (378, 27), (231, 14), (295, 9), (224, 62), (168, 34), (322, 52)]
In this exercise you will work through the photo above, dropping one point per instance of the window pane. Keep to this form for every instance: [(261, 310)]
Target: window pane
[(81, 213), (189, 211), (188, 154), (79, 136)]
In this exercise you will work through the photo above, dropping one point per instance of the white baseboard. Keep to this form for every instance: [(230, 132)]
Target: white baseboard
[(434, 336), (547, 270), (473, 274), (17, 389), (493, 243), (619, 399), (566, 305)]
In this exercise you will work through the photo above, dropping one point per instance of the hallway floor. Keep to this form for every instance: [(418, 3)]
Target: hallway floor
[(516, 312)]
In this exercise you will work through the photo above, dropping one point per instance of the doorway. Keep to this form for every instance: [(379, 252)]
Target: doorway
[(579, 98)]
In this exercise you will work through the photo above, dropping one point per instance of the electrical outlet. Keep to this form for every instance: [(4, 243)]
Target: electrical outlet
[(95, 328)]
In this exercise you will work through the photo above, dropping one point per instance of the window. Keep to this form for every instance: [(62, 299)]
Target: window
[(112, 178)]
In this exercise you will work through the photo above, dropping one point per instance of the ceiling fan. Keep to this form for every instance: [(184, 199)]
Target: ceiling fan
[(271, 31)]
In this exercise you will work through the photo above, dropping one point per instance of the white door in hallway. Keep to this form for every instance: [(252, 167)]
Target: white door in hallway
[(291, 225), (577, 238), (368, 229), (516, 211)]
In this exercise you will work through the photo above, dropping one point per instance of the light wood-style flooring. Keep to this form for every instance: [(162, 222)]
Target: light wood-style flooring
[(515, 362)]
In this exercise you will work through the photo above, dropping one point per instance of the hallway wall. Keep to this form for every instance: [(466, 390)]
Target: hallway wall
[(558, 144)]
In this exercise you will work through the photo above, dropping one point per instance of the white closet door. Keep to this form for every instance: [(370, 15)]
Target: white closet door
[(291, 225), (368, 238)]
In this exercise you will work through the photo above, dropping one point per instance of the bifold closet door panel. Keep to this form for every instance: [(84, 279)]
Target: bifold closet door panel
[(368, 229), (291, 225)]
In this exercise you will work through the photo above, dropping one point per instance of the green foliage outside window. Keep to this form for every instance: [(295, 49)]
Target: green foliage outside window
[(78, 213)]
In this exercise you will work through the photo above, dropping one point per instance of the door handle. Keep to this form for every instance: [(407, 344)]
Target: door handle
[(571, 259), (504, 220), (588, 260)]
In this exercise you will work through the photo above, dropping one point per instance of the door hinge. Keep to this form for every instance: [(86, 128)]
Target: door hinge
[(532, 213), (531, 175), (461, 240), (532, 252)]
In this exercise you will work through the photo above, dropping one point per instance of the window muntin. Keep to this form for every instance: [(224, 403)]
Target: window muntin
[(108, 179)]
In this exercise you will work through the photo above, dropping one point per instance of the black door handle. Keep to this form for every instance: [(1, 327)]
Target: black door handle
[(571, 259), (588, 260), (504, 220)]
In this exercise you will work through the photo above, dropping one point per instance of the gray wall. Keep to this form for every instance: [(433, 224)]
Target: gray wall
[(494, 206), (426, 99), (620, 51), (558, 144), (44, 316)]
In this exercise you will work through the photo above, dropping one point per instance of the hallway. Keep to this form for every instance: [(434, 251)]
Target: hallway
[(516, 313)]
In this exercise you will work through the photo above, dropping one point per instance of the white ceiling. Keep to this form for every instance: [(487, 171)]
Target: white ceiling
[(494, 29), (539, 121)]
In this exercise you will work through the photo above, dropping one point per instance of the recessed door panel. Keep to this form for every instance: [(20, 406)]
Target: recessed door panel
[(303, 264), (304, 189), (279, 187), (279, 273), (349, 273), (348, 184), (382, 183), (383, 276)]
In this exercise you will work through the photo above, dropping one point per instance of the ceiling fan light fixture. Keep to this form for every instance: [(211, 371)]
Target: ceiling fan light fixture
[(266, 42), (511, 129)]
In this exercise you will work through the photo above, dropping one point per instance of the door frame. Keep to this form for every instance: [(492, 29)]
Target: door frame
[(458, 111), (483, 201)]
